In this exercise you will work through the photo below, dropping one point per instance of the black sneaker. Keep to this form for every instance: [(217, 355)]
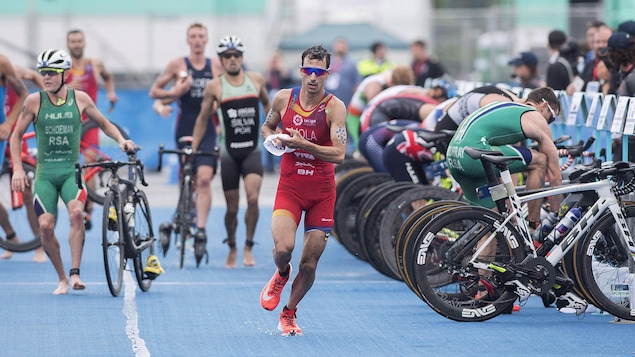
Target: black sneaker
[(88, 225), (200, 242), (165, 230)]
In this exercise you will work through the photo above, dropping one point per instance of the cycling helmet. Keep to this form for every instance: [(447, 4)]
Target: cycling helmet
[(230, 43), (54, 59)]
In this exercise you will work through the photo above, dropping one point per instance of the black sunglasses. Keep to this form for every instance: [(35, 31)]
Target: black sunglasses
[(230, 55)]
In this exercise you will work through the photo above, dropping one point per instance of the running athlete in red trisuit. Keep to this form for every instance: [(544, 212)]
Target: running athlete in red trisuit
[(315, 122)]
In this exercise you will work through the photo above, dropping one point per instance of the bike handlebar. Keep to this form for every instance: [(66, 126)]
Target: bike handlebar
[(186, 151), (112, 166)]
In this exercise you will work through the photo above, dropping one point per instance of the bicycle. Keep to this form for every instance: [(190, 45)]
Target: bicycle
[(183, 222), (492, 260), (398, 235), (127, 224), (19, 215)]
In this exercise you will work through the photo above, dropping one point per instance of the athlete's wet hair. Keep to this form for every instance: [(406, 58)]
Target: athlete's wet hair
[(317, 53), (537, 95)]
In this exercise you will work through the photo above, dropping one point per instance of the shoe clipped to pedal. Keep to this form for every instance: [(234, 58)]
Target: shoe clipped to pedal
[(153, 268)]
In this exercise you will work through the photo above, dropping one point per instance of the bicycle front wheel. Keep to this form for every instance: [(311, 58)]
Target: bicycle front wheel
[(143, 239), (451, 241), (606, 265), (23, 219), (112, 243), (184, 219)]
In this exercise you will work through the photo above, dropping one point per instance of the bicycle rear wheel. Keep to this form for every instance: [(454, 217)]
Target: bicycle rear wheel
[(606, 266), (399, 210), (113, 243), (96, 184), (23, 219), (450, 241), (143, 238)]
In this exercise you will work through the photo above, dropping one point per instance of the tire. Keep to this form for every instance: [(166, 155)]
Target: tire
[(345, 178), (348, 165), (20, 220), (113, 245), (105, 151), (183, 218), (369, 220), (464, 227), (347, 205), (405, 242), (605, 263), (396, 213), (143, 237)]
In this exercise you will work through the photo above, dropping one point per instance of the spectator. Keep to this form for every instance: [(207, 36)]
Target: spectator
[(621, 53), (600, 38), (591, 30), (526, 70), (278, 77), (378, 63), (343, 77), (423, 65), (559, 71)]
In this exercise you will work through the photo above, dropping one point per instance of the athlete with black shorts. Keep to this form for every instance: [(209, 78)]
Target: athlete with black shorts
[(237, 94), (190, 75)]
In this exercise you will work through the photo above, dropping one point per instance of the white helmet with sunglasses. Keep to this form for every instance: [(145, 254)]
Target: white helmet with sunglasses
[(53, 58), (230, 43)]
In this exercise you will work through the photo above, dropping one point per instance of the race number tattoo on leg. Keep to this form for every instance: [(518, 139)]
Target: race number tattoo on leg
[(341, 135)]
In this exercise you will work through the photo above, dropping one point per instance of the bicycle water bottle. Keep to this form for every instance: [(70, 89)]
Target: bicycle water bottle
[(572, 217), (545, 227)]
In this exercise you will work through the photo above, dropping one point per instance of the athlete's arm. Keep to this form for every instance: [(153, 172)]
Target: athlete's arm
[(28, 74), (336, 117), (181, 85), (371, 90), (28, 111), (259, 79), (274, 116), (209, 105), (13, 80), (535, 127), (87, 106), (109, 81)]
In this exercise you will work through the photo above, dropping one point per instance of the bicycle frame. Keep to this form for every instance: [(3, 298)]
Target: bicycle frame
[(114, 182), (606, 201)]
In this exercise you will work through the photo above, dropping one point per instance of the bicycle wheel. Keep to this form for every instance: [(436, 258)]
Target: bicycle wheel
[(96, 183), (369, 219), (396, 213), (348, 165), (184, 219), (404, 243), (23, 219), (450, 241), (143, 238), (347, 205), (113, 243), (606, 265)]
